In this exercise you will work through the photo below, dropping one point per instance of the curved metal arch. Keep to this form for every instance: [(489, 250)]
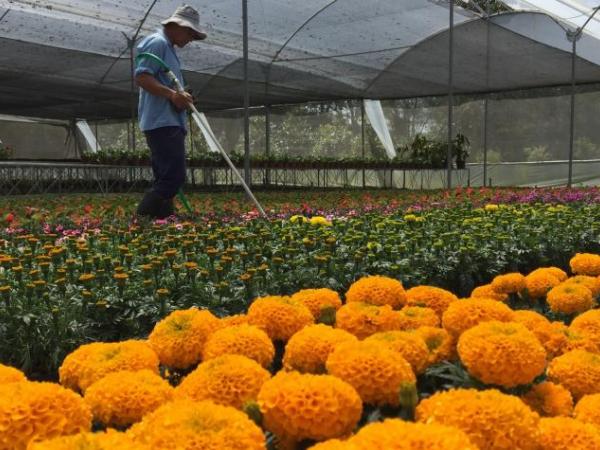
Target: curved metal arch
[(466, 23), (289, 39)]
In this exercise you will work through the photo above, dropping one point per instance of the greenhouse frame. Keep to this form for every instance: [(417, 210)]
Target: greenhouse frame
[(436, 54)]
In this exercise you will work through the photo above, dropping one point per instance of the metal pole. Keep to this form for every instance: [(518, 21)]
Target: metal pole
[(572, 119), (362, 138), (485, 101), (246, 95), (131, 42), (267, 141), (450, 96)]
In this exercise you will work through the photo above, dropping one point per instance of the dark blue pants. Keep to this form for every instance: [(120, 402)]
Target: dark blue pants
[(168, 159)]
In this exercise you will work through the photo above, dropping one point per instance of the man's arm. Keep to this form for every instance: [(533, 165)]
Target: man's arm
[(182, 100)]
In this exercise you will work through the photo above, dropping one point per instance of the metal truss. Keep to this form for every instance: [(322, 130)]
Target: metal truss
[(43, 177)]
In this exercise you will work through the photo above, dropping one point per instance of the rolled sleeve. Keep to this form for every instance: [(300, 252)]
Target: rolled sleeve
[(147, 65)]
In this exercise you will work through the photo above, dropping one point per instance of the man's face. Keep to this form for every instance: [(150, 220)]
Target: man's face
[(183, 36)]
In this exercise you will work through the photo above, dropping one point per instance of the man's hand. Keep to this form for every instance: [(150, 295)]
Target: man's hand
[(181, 100)]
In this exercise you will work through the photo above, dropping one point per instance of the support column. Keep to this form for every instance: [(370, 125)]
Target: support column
[(267, 142), (246, 96), (450, 95)]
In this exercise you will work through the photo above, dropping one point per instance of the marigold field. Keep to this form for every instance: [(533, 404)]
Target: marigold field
[(464, 319)]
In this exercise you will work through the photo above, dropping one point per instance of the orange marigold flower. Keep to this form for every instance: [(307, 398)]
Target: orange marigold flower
[(578, 371), (537, 284), (318, 299), (570, 298), (592, 283), (491, 419), (487, 291), (190, 425), (464, 314), (245, 340), (509, 283), (503, 354), (35, 411), (109, 440), (91, 362), (549, 399), (557, 339), (396, 434), (410, 345), (566, 433), (334, 444), (279, 316), (432, 297), (531, 319), (9, 374), (363, 319), (554, 271), (440, 344), (588, 409), (588, 324), (413, 317), (123, 398), (179, 338), (377, 290), (375, 371), (304, 406), (308, 349), (236, 319), (585, 264), (229, 380)]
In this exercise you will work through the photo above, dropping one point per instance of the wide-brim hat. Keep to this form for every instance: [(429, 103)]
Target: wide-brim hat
[(186, 16)]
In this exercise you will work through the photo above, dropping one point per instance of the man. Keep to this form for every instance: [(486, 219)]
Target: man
[(161, 109)]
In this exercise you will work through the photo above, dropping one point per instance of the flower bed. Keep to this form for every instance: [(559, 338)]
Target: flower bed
[(506, 367)]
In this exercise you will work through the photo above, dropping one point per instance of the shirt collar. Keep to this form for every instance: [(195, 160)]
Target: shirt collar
[(162, 32)]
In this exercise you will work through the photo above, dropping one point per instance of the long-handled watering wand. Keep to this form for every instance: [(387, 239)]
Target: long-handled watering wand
[(202, 123)]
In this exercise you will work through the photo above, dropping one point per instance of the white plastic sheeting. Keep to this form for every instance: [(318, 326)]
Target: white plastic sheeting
[(88, 135), (376, 117)]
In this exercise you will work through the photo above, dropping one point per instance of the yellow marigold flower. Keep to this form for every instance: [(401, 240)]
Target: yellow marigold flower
[(491, 419), (36, 411), (246, 340), (440, 344), (364, 319), (375, 371), (578, 371), (554, 271), (109, 440), (549, 399), (377, 290), (179, 338), (570, 298), (304, 406), (91, 362), (538, 284), (236, 319), (318, 299), (413, 317), (410, 345), (566, 433), (530, 319), (487, 291), (190, 425), (396, 434), (588, 409), (308, 349), (592, 283), (319, 221), (588, 324), (334, 444), (465, 314), (510, 283), (9, 374), (229, 380), (279, 316), (123, 398), (491, 207), (503, 354), (298, 218), (585, 264)]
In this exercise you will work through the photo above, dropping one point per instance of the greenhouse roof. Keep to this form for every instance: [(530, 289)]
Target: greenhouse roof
[(70, 58)]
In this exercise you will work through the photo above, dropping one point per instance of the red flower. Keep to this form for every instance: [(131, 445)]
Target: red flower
[(10, 218), (87, 209)]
